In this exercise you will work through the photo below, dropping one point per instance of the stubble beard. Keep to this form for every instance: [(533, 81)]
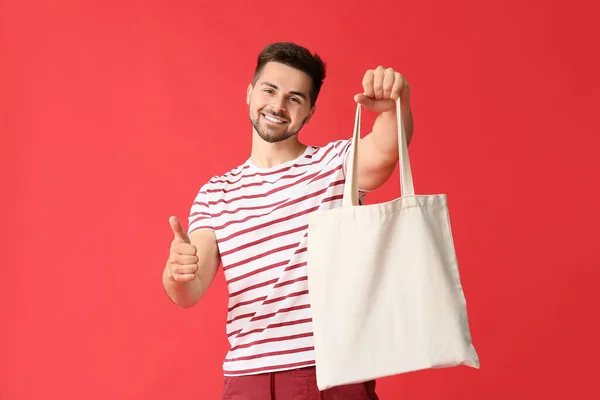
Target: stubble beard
[(272, 134)]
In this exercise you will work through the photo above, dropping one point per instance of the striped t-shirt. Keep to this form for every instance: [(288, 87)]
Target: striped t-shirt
[(260, 219)]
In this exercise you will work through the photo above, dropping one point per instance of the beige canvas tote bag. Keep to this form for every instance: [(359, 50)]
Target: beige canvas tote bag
[(384, 283)]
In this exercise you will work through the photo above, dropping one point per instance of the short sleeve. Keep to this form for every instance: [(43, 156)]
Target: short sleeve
[(343, 152), (200, 216)]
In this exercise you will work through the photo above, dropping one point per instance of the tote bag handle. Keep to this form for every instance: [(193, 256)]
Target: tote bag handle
[(406, 182)]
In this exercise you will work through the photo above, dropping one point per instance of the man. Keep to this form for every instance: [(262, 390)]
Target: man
[(254, 218)]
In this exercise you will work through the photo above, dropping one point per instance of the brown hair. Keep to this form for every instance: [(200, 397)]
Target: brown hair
[(296, 57)]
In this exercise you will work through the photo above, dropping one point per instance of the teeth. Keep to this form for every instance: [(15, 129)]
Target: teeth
[(273, 119)]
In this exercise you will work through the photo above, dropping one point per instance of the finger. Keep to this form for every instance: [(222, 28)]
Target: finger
[(185, 249), (399, 83), (184, 269), (184, 277), (388, 82), (368, 83), (178, 230), (184, 259), (378, 82)]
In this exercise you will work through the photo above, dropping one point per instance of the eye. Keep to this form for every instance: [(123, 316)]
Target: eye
[(268, 91), (295, 100)]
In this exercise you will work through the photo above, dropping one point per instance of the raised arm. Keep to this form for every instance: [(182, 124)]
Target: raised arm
[(379, 149)]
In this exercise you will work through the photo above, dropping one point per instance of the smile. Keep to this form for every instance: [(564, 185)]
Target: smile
[(273, 119)]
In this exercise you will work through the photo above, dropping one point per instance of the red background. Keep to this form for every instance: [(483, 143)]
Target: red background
[(113, 113)]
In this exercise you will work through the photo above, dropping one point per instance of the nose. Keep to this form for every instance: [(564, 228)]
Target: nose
[(278, 104)]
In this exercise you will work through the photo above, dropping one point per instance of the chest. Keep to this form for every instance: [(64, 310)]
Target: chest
[(265, 212)]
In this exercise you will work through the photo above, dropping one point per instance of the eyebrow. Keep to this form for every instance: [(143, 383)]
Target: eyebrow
[(299, 94)]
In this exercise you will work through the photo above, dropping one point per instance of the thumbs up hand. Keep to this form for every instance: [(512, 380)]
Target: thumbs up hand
[(183, 260)]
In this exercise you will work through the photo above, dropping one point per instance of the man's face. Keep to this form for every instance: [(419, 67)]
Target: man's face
[(279, 102)]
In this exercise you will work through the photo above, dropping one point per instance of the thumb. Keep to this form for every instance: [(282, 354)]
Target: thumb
[(363, 100), (376, 105), (178, 230)]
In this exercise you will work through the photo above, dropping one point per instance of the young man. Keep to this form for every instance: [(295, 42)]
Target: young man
[(253, 220)]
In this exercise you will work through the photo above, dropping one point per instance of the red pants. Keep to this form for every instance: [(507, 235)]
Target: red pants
[(298, 384)]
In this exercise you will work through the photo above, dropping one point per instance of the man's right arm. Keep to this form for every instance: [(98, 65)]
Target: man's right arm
[(192, 265)]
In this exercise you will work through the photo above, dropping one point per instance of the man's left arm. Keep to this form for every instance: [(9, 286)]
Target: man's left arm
[(378, 151)]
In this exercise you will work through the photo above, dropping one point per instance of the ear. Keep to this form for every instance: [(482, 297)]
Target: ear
[(310, 114), (248, 93)]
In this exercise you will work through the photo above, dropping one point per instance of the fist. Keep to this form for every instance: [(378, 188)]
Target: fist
[(381, 88), (183, 259)]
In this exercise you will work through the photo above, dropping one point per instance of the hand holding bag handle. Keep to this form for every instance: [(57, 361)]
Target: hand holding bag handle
[(406, 181)]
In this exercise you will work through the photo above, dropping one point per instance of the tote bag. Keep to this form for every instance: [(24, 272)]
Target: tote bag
[(384, 283)]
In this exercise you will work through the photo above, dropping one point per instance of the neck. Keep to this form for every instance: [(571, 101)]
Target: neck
[(268, 155)]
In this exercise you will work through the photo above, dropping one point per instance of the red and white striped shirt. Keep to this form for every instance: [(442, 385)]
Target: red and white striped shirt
[(260, 219)]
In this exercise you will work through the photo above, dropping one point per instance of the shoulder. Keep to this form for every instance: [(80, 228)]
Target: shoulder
[(219, 182), (336, 149), (210, 191)]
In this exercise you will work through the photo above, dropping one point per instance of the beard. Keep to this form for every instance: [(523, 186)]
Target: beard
[(273, 133)]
